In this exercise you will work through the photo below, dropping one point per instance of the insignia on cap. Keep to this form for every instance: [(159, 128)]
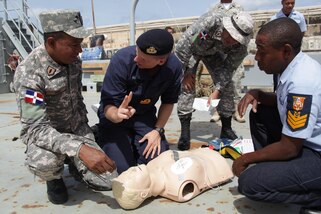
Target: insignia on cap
[(78, 19), (51, 71), (151, 50)]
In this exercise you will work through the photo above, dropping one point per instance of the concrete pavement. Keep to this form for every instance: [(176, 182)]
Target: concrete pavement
[(21, 192)]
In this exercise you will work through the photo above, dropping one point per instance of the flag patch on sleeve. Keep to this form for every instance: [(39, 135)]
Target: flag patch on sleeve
[(204, 35), (34, 97), (298, 111)]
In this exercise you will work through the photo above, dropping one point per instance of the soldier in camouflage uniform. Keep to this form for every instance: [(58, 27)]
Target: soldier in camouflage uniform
[(53, 115), (221, 43), (228, 8)]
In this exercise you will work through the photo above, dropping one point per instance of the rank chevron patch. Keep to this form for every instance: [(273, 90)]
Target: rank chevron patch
[(298, 111)]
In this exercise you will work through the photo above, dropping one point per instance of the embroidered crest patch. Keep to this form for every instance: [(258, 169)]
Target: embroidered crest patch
[(298, 111), (145, 102), (33, 97)]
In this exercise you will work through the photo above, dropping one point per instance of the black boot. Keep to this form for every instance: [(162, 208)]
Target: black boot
[(184, 139), (226, 131), (57, 191)]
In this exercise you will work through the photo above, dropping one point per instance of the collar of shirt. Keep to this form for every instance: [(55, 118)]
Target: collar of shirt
[(281, 14), (288, 71)]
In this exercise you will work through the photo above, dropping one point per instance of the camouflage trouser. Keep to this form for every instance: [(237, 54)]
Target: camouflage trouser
[(226, 105), (238, 75), (48, 166)]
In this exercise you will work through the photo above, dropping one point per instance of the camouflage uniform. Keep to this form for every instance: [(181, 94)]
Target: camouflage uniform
[(53, 116), (202, 41), (239, 73)]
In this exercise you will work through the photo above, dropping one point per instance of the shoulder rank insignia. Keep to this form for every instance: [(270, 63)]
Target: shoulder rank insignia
[(51, 71), (145, 102), (33, 97), (298, 111)]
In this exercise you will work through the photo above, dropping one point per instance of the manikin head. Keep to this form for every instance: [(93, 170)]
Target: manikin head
[(176, 175)]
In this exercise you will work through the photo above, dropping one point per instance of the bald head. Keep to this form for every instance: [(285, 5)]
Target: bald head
[(283, 31)]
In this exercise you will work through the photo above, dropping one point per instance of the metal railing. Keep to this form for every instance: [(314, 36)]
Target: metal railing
[(22, 23)]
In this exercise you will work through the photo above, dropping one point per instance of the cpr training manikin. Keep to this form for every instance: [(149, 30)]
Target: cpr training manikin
[(176, 175)]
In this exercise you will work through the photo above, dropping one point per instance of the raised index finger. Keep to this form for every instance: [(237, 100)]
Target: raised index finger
[(126, 100)]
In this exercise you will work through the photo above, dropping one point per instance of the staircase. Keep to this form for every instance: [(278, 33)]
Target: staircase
[(19, 35), (24, 32)]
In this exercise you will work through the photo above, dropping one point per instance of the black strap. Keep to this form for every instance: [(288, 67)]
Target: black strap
[(238, 28)]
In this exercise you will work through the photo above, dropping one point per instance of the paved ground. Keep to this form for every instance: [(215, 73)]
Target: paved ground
[(21, 192)]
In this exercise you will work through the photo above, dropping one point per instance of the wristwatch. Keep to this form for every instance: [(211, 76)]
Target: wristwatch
[(161, 132)]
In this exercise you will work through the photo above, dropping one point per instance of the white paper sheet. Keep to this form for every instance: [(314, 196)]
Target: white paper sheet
[(200, 104), (243, 145)]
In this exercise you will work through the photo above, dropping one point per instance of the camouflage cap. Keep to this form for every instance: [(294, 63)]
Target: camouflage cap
[(68, 21), (240, 27)]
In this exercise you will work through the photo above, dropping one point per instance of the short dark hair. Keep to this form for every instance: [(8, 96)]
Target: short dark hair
[(283, 31), (56, 35)]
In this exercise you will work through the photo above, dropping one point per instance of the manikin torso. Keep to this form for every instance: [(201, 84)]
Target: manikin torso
[(176, 175)]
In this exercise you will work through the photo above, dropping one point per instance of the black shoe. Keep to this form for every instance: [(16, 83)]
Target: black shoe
[(184, 140), (182, 146), (311, 210), (228, 133), (57, 191)]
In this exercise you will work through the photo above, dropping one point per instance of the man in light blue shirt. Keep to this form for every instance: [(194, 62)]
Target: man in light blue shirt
[(288, 11), (286, 125)]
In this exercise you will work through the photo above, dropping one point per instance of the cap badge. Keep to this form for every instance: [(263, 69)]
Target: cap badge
[(151, 50), (78, 19)]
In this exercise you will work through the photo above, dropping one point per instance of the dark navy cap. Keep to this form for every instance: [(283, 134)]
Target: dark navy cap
[(155, 42)]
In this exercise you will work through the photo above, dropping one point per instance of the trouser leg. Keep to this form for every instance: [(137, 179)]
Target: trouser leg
[(117, 144), (296, 181), (97, 181), (43, 163), (265, 126)]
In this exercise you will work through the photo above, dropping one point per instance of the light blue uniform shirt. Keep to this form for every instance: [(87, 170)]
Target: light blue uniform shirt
[(302, 78), (296, 16)]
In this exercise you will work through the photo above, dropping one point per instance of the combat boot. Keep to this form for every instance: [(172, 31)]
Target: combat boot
[(184, 140), (215, 117), (57, 191), (226, 131), (237, 116)]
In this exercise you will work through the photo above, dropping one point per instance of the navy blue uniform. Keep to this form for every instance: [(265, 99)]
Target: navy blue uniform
[(120, 140)]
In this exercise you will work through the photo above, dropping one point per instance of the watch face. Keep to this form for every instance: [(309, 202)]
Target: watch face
[(160, 130)]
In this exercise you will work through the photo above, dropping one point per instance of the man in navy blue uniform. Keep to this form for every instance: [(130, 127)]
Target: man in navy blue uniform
[(130, 131)]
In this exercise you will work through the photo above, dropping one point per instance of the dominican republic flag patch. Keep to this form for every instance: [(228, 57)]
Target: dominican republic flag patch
[(204, 35), (33, 97)]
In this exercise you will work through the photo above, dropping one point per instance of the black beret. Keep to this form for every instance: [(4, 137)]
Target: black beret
[(155, 42)]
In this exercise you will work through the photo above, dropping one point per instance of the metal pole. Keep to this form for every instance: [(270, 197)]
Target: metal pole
[(93, 14), (6, 8), (132, 22)]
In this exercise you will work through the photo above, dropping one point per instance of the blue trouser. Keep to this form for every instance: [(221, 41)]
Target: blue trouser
[(120, 141), (296, 181)]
